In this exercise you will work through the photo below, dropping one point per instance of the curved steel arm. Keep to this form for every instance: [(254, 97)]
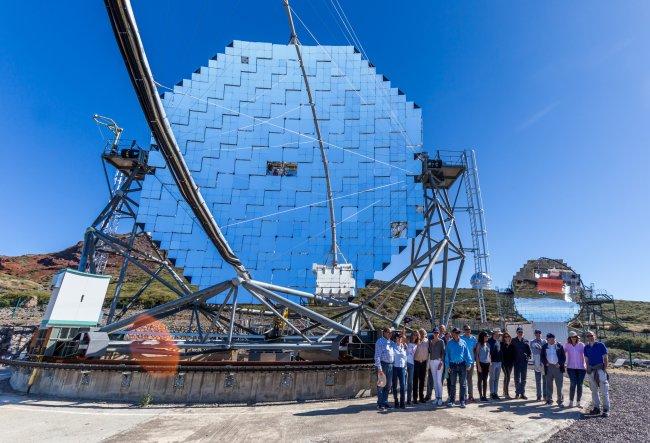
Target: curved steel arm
[(135, 59)]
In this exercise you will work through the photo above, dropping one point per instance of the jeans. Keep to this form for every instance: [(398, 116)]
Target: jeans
[(399, 376), (382, 393), (601, 390), (507, 371), (429, 383), (436, 375), (520, 377), (576, 377), (554, 375), (495, 371), (458, 373), (419, 374), (483, 378), (540, 384), (470, 381), (409, 381)]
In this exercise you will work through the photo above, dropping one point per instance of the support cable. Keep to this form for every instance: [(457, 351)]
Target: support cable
[(328, 185)]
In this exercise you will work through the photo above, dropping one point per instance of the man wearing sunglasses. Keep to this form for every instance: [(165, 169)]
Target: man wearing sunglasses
[(457, 359), (596, 360), (522, 355)]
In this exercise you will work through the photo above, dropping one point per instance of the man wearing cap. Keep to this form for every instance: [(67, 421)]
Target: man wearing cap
[(470, 341), (553, 358), (596, 360), (384, 358), (522, 355), (457, 359), (496, 357), (436, 359), (536, 350)]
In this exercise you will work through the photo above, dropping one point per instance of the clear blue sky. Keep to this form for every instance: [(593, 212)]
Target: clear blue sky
[(555, 97)]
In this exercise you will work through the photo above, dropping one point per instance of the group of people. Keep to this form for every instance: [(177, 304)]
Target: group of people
[(408, 366)]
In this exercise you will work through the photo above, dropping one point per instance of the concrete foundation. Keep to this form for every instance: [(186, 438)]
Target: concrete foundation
[(228, 384)]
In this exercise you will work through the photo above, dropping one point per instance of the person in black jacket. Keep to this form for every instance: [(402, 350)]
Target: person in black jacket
[(496, 356), (522, 355), (553, 358), (508, 352)]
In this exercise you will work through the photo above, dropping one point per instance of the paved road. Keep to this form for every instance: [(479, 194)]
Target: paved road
[(28, 419)]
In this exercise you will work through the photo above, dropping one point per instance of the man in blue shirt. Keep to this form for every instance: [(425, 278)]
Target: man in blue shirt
[(596, 360), (457, 359), (470, 341), (384, 358)]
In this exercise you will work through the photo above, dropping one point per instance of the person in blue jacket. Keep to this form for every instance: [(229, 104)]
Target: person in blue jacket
[(457, 360), (384, 359)]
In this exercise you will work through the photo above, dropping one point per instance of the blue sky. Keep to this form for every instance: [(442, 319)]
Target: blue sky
[(554, 96)]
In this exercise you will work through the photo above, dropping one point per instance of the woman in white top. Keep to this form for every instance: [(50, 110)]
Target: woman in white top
[(399, 369), (410, 364)]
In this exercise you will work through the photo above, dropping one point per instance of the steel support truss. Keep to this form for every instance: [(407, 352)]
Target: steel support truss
[(316, 322), (222, 326)]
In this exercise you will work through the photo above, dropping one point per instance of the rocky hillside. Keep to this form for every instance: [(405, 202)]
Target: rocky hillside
[(28, 276), (24, 282)]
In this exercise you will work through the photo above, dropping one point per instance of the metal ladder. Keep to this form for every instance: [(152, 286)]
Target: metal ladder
[(101, 257), (477, 226)]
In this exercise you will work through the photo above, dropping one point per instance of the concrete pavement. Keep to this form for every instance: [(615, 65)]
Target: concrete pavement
[(23, 418)]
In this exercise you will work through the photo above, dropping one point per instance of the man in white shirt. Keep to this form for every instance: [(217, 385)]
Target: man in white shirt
[(553, 358)]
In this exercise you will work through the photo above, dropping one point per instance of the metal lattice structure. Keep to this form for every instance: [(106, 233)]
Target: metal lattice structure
[(293, 319)]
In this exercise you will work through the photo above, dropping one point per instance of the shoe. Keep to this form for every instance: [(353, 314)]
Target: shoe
[(517, 397), (408, 403), (439, 402), (560, 405), (595, 411), (427, 398), (470, 400), (462, 404), (493, 396), (415, 402), (539, 398), (401, 406), (396, 405), (380, 407), (605, 413), (578, 405), (523, 397), (496, 397), (571, 403), (388, 407), (549, 402), (450, 404)]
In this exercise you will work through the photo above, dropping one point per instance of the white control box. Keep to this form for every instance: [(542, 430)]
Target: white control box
[(76, 300), (335, 281)]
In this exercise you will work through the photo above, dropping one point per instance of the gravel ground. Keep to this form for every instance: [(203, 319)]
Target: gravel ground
[(628, 419)]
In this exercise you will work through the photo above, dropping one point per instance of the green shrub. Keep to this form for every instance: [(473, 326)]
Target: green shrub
[(146, 400), (635, 344)]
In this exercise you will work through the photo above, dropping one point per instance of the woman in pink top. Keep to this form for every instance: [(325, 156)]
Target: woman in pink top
[(575, 364)]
